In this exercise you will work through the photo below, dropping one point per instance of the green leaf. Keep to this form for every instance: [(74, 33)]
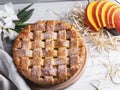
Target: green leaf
[(18, 29), (23, 10), (16, 22), (21, 25), (23, 16), (26, 16)]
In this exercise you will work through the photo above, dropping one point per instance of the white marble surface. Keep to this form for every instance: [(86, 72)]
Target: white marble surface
[(94, 70)]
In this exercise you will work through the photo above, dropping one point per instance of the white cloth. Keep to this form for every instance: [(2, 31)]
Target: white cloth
[(9, 77)]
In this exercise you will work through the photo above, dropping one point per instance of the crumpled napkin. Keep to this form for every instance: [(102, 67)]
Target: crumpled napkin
[(9, 77)]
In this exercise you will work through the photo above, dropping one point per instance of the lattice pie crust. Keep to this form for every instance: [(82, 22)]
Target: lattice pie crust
[(49, 52)]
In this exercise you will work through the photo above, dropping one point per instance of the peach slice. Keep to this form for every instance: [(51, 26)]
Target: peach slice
[(89, 16), (117, 20), (104, 12), (111, 23), (98, 12), (110, 17), (94, 14)]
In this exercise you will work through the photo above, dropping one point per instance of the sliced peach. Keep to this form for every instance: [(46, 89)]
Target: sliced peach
[(89, 17), (117, 20), (98, 12), (104, 12), (110, 17), (94, 14)]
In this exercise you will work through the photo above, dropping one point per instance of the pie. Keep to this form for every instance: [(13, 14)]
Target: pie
[(49, 52)]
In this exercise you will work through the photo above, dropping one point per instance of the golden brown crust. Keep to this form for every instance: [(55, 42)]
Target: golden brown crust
[(49, 52)]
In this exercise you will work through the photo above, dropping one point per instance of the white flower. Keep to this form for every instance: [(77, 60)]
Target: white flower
[(8, 16), (2, 14), (10, 12), (11, 34), (9, 23)]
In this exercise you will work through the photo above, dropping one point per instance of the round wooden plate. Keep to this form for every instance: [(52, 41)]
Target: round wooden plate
[(63, 85)]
